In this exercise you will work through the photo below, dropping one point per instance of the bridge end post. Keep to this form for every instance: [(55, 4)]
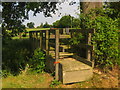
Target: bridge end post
[(57, 55)]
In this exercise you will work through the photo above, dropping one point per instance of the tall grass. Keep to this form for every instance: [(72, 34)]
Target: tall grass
[(15, 53)]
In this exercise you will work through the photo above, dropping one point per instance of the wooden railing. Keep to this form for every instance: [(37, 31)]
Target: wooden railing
[(44, 37)]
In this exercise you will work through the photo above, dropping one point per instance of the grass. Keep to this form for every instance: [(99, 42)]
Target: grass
[(27, 81), (17, 37), (36, 29)]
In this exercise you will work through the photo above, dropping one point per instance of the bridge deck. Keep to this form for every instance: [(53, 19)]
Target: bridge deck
[(71, 70)]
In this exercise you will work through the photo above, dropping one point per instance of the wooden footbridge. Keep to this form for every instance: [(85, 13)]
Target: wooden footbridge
[(67, 65)]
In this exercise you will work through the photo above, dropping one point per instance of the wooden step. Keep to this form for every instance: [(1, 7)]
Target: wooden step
[(72, 70)]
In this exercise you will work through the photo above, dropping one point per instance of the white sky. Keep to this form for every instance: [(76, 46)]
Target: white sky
[(66, 10)]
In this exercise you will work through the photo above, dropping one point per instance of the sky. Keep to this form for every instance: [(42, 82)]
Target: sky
[(65, 9)]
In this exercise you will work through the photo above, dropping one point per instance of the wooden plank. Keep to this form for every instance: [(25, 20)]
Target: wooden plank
[(36, 40), (88, 53), (61, 36), (61, 46), (65, 46), (57, 55), (66, 54), (47, 42), (93, 55), (61, 53), (82, 60), (30, 35), (53, 44), (51, 48), (41, 39), (89, 47), (82, 30)]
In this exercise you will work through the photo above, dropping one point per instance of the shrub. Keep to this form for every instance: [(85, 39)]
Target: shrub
[(55, 83), (105, 38), (37, 62), (14, 56)]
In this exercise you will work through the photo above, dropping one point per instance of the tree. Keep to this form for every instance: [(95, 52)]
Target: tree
[(14, 13), (56, 24), (65, 21), (46, 25), (76, 23), (30, 25), (87, 6), (41, 25)]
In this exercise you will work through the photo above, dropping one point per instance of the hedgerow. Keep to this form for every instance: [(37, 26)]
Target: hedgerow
[(105, 38)]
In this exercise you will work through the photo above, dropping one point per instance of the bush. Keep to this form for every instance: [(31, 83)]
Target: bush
[(55, 83), (14, 56), (37, 62), (105, 38)]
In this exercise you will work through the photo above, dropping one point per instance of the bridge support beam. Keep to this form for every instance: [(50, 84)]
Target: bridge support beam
[(57, 55)]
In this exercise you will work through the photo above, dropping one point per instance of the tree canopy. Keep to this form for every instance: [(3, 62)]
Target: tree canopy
[(30, 25), (14, 13), (67, 21)]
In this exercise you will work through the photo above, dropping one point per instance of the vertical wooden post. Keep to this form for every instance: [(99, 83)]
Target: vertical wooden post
[(93, 54), (30, 40), (30, 35), (47, 42), (41, 37), (64, 31), (20, 35), (88, 53), (56, 54), (36, 40)]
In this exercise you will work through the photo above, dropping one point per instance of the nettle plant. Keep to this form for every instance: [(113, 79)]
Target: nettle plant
[(105, 38)]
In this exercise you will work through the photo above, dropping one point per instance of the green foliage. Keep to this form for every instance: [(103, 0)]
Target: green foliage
[(30, 25), (14, 56), (105, 38), (41, 26), (55, 83), (67, 22), (15, 13), (76, 39), (46, 25), (37, 62), (76, 23), (56, 24)]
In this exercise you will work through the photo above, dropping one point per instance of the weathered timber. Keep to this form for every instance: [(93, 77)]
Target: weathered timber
[(89, 47), (88, 53), (61, 36), (52, 53), (93, 54), (82, 60), (72, 71), (82, 30), (71, 68), (41, 39), (47, 42), (57, 55), (63, 46)]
